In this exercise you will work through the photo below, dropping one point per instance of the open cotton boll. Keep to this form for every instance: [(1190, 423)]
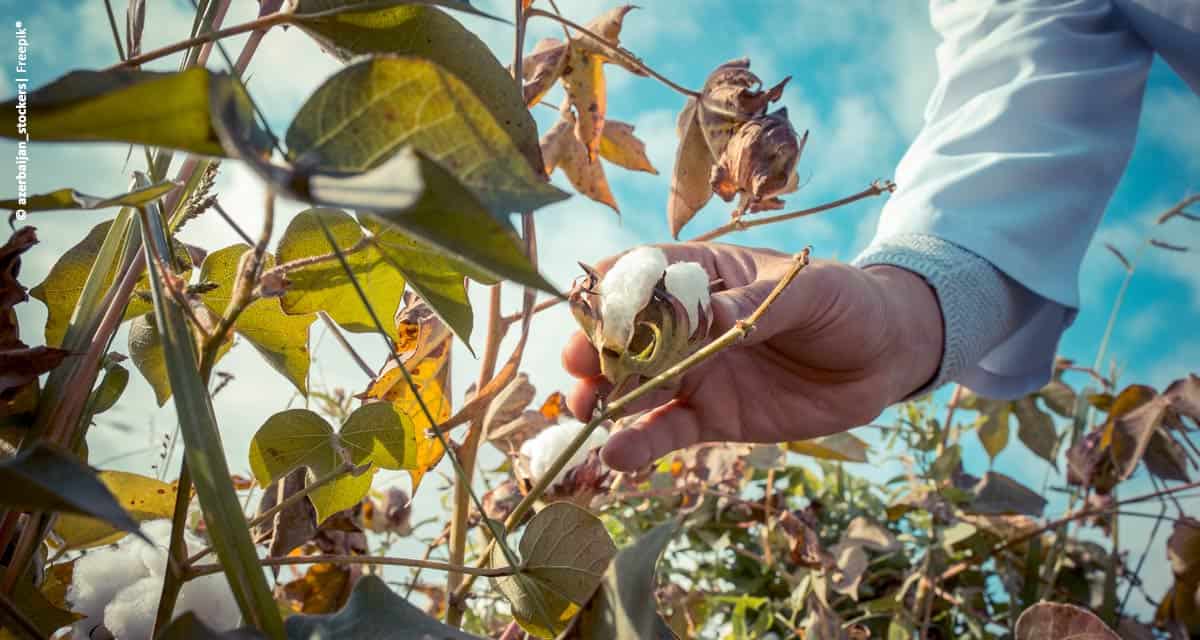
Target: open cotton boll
[(130, 616), (543, 449), (625, 291), (97, 579), (688, 282), (211, 599)]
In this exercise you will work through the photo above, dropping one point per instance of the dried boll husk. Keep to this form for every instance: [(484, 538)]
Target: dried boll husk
[(759, 163), (732, 95), (658, 336)]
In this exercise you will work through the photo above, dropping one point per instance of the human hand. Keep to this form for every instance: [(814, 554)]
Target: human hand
[(831, 353)]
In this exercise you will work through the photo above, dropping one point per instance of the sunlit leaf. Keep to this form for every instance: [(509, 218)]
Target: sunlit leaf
[(619, 146), (155, 108), (993, 432), (379, 434), (281, 339), (72, 199), (365, 9), (427, 32), (564, 553), (843, 447), (323, 588), (562, 150), (380, 104), (46, 478), (583, 80), (106, 394), (146, 352), (690, 189), (143, 498), (373, 612), (325, 286)]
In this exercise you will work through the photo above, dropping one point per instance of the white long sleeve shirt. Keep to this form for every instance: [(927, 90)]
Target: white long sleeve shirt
[(1026, 134)]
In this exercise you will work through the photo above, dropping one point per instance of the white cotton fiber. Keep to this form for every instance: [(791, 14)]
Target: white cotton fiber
[(626, 289), (544, 448), (688, 281), (119, 587)]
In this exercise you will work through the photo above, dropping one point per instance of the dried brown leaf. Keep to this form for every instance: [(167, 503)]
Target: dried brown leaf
[(1185, 396), (542, 68), (296, 524), (583, 79), (619, 146), (690, 189), (561, 149), (732, 96), (997, 493), (1058, 621), (1162, 244), (509, 404)]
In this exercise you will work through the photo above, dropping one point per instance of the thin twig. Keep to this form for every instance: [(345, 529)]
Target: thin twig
[(345, 344), (116, 33), (264, 22), (207, 569), (509, 320), (616, 52), (878, 187)]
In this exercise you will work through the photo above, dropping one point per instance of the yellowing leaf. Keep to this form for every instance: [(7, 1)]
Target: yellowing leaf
[(542, 68), (843, 447), (324, 588), (690, 189), (146, 352), (143, 498), (282, 340), (583, 79), (72, 199), (619, 146), (561, 149), (325, 286)]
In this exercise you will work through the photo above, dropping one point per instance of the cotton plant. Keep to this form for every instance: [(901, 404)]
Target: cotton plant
[(118, 587), (643, 315), (544, 448)]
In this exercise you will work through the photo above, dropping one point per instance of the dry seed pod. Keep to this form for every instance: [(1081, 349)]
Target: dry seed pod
[(732, 96), (760, 163), (644, 315)]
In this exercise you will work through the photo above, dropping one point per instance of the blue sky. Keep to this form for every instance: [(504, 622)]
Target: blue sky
[(860, 71)]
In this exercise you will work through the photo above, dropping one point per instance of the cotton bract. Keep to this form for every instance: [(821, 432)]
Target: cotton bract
[(544, 448), (118, 587)]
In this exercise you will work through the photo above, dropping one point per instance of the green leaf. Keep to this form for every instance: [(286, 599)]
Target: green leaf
[(1059, 398), (47, 478), (155, 108), (373, 612), (449, 217), (379, 434), (146, 351), (188, 627), (1035, 428), (281, 339), (325, 286), (947, 463), (116, 377), (203, 451), (993, 431), (63, 286), (997, 493), (72, 199), (843, 447), (356, 8), (144, 499), (300, 438), (363, 114), (439, 280), (427, 32), (564, 552), (625, 606)]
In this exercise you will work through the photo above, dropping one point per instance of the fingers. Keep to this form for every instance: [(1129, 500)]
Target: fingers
[(672, 426), (579, 357), (582, 398)]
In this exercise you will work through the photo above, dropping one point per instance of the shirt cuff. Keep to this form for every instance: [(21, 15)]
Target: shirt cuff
[(999, 337)]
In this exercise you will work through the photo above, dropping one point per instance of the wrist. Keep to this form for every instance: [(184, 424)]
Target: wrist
[(916, 332)]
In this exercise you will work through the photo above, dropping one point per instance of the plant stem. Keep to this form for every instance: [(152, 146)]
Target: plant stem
[(536, 309), (308, 261), (207, 569), (262, 23), (116, 33), (615, 408), (740, 224), (176, 570), (617, 52), (16, 621)]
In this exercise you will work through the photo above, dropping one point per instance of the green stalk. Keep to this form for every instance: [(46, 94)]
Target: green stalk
[(203, 451)]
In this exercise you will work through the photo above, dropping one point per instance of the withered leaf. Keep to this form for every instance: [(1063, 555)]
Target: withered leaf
[(561, 149), (295, 524), (509, 404), (1046, 620), (1132, 431), (324, 588), (20, 365), (732, 96), (1184, 395), (542, 68), (997, 493), (583, 79), (619, 146), (690, 189)]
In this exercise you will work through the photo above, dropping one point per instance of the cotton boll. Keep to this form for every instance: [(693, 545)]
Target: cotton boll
[(688, 282), (130, 616), (98, 577), (211, 599), (544, 448), (626, 289)]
